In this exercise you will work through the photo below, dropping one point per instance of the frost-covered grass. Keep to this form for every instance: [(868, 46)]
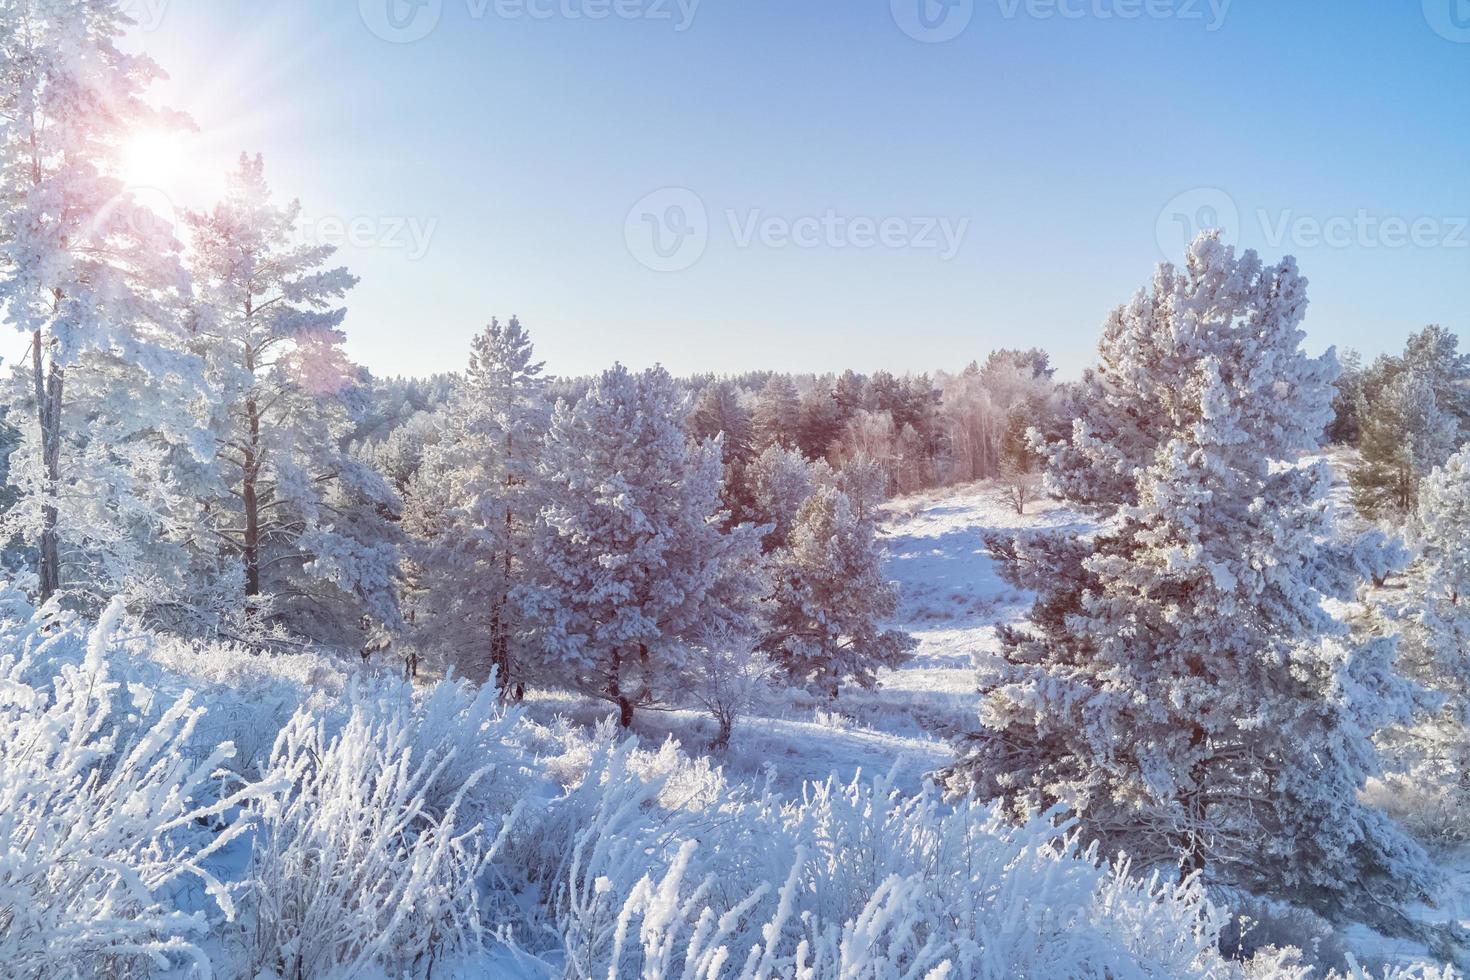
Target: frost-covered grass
[(297, 815), (383, 831)]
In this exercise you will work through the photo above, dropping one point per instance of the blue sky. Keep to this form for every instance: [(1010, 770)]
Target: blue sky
[(816, 153)]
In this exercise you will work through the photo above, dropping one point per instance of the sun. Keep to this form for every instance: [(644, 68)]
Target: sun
[(154, 159)]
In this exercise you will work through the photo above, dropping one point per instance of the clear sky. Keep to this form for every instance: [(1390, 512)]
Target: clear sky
[(832, 183)]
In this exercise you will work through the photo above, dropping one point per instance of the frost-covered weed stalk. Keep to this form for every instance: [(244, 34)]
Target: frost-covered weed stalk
[(356, 843), (389, 832), (859, 881), (373, 855), (99, 819)]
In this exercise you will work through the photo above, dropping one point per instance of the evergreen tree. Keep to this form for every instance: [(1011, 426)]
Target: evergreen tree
[(851, 395), (779, 482), (1434, 354), (821, 420), (632, 564), (1411, 412), (866, 483), (312, 529), (718, 414), (830, 600), (95, 280), (1183, 686), (1403, 434), (473, 503), (1433, 756), (1345, 428), (777, 414)]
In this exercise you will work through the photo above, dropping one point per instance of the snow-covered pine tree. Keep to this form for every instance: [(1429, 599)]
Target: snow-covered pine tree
[(866, 483), (632, 563), (135, 454), (312, 529), (1408, 414), (1433, 756), (1182, 685), (1434, 354), (831, 598), (822, 419), (777, 416), (473, 502), (1444, 520), (94, 279), (777, 484), (718, 413), (1404, 433)]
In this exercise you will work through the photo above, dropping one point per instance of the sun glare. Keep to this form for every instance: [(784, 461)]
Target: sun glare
[(154, 159)]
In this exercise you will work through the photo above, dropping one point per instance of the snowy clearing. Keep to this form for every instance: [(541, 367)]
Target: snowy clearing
[(951, 602)]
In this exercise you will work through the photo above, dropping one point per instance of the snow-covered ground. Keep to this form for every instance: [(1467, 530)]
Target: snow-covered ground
[(951, 601)]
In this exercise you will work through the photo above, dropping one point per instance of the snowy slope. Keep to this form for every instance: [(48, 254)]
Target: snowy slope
[(951, 601)]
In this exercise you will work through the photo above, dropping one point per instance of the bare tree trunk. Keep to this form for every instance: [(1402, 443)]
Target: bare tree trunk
[(250, 477), (726, 721), (48, 387), (250, 499), (499, 627), (615, 691), (500, 648), (1192, 858)]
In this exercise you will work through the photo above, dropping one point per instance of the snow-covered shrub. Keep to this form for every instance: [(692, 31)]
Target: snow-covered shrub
[(399, 832), (372, 858), (1261, 924), (729, 677), (98, 815), (859, 880), (572, 756)]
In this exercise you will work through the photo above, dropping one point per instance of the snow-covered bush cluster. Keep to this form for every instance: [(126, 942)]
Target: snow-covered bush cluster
[(859, 880), (388, 832), (100, 812)]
